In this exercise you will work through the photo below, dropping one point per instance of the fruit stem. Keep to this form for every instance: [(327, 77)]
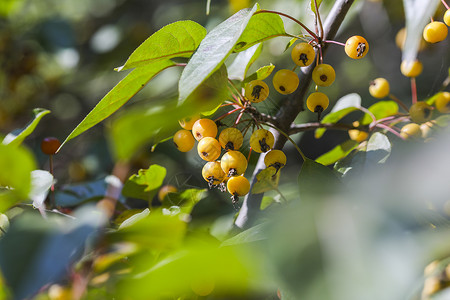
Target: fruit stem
[(236, 90), (399, 102), (227, 114), (52, 188), (289, 17), (289, 138), (365, 110), (445, 4), (238, 119), (380, 125), (249, 153), (321, 34), (413, 90), (334, 42)]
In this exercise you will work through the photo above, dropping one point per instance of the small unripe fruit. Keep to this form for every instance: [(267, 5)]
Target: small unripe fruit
[(262, 140), (411, 68), (443, 102), (183, 140), (50, 145), (420, 112), (204, 128), (188, 122), (357, 135), (323, 75), (317, 102), (238, 186), (379, 88), (213, 173), (435, 32), (231, 138), (256, 91), (303, 54), (275, 158), (233, 163), (447, 17), (209, 149), (356, 47), (411, 130), (285, 81), (165, 190)]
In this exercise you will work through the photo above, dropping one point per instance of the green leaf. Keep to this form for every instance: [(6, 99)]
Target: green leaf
[(134, 218), (16, 164), (377, 151), (418, 14), (343, 107), (145, 184), (337, 153), (266, 202), (266, 180), (313, 5), (315, 179), (119, 95), (179, 39), (253, 234), (185, 201), (290, 43), (380, 110), (261, 74), (212, 52), (17, 136), (261, 27), (127, 132), (238, 69)]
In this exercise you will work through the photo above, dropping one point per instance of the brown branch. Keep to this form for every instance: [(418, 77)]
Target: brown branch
[(289, 110)]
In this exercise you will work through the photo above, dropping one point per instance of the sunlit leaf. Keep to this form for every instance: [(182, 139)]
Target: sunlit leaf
[(418, 14), (238, 69), (260, 74), (16, 164), (253, 234), (185, 200), (266, 202), (313, 5), (266, 180), (17, 136), (212, 52), (380, 110), (337, 153), (145, 184), (179, 39), (119, 95), (261, 27), (134, 218), (343, 107)]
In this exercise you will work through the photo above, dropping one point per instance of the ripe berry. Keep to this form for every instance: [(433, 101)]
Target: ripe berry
[(231, 138), (275, 158), (187, 122), (238, 186), (209, 148), (50, 145), (285, 81), (183, 140), (303, 54), (443, 102), (379, 88), (323, 75), (420, 112), (262, 140), (233, 163), (411, 130), (204, 128), (317, 102), (165, 190), (411, 68), (213, 173), (356, 47), (447, 17), (357, 135), (256, 91), (435, 32)]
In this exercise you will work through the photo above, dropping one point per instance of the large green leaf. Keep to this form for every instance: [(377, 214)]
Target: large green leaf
[(179, 39), (119, 95), (212, 52), (261, 27), (315, 179), (337, 153), (238, 69), (343, 107), (183, 202), (253, 234), (380, 110), (16, 164), (144, 184), (139, 127), (17, 136)]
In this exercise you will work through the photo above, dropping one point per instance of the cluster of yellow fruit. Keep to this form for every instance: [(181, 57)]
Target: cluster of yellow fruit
[(437, 278), (228, 172), (303, 54)]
